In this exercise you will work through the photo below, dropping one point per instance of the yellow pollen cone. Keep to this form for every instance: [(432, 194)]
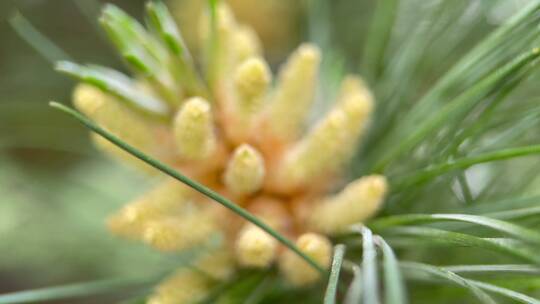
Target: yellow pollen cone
[(352, 84), (294, 92), (248, 89), (331, 142), (251, 80), (299, 272), (194, 130), (184, 286), (359, 201), (316, 153), (180, 232), (255, 248), (245, 43), (116, 117), (357, 102), (245, 171), (167, 199)]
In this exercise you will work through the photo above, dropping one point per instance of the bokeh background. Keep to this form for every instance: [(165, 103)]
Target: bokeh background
[(56, 189)]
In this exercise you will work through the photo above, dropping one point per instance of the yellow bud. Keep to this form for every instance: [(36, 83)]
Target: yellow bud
[(180, 232), (356, 101), (294, 93), (116, 117), (352, 84), (244, 98), (251, 80), (194, 130), (167, 199), (299, 272), (331, 142), (245, 43), (317, 153), (88, 99), (184, 286), (254, 247), (245, 171), (359, 201)]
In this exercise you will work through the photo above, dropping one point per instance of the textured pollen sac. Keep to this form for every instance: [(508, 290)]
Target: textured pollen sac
[(249, 88), (354, 204), (194, 130), (298, 271), (169, 198), (331, 141), (293, 93), (120, 120), (173, 234), (246, 43), (245, 171), (255, 248), (184, 286), (251, 80), (244, 139)]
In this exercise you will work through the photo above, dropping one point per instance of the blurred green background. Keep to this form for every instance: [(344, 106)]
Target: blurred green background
[(56, 189)]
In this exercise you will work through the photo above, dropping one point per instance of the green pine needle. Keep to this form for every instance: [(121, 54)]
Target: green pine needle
[(394, 285), (451, 277), (76, 290), (521, 233), (39, 42), (116, 84), (438, 237), (462, 163), (331, 288), (370, 280), (503, 269), (456, 108), (474, 286)]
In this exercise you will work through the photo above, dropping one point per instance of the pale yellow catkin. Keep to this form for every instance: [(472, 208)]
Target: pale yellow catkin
[(167, 199), (184, 286), (353, 84), (296, 270), (194, 130), (117, 118), (310, 157), (331, 142), (245, 171), (108, 112), (244, 44), (294, 93), (359, 201), (176, 233), (244, 99), (251, 81), (254, 247)]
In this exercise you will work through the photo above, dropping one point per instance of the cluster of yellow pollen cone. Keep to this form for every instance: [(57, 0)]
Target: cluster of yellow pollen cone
[(248, 140)]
